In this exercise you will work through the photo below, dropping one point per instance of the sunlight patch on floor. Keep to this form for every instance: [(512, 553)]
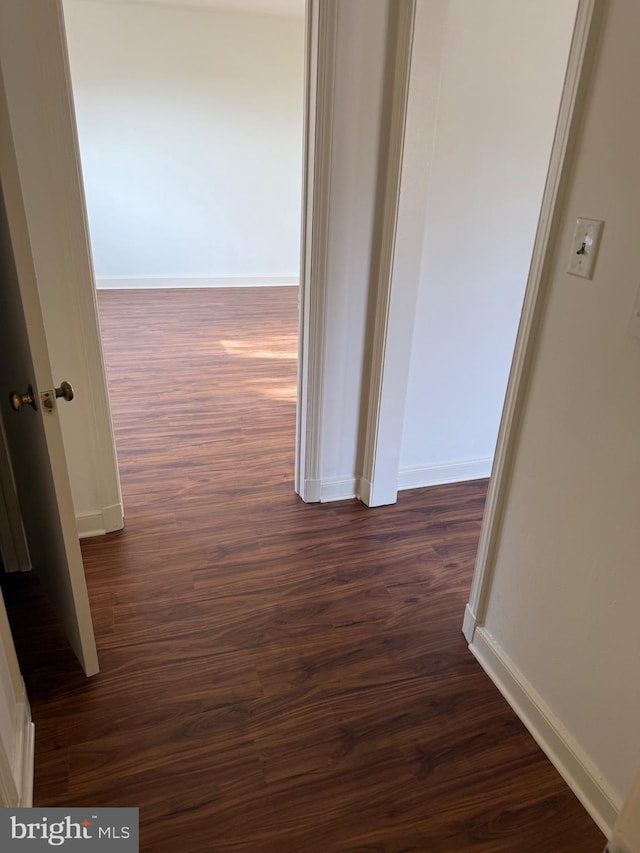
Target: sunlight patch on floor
[(284, 392), (279, 346)]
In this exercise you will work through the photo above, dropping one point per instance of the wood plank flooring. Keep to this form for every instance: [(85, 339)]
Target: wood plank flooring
[(276, 677)]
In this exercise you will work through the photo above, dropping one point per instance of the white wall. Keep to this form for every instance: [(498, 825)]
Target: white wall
[(563, 606), (190, 126), (501, 78)]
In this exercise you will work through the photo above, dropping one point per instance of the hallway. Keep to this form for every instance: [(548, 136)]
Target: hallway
[(276, 677)]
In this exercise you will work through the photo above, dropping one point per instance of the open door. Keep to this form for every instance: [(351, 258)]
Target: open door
[(33, 434)]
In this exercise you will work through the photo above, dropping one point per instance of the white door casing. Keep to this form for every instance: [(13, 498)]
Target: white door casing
[(397, 265), (320, 49), (315, 333)]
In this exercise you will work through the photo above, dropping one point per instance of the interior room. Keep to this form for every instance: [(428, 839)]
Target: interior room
[(190, 130)]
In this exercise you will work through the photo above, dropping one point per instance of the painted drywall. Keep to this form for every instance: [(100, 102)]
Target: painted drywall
[(563, 603), (190, 127), (498, 105)]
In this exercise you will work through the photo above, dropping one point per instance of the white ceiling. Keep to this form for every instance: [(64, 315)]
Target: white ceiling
[(281, 8)]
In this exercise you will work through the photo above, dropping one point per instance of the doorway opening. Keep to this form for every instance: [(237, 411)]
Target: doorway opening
[(190, 125), (493, 120)]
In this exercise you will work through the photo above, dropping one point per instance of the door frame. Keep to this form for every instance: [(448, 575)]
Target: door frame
[(397, 288), (382, 382), (79, 296), (321, 29), (581, 60), (397, 264), (402, 209)]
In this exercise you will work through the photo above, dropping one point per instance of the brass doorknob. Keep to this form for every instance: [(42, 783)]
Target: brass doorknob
[(65, 391), (19, 400)]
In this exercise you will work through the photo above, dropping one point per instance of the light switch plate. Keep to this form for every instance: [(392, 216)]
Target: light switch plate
[(584, 249)]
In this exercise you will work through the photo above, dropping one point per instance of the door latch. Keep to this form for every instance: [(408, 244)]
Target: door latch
[(65, 391)]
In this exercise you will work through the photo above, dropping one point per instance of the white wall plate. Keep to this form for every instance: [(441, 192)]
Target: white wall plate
[(584, 249)]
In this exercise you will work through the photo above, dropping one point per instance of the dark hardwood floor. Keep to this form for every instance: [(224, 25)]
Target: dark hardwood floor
[(276, 677)]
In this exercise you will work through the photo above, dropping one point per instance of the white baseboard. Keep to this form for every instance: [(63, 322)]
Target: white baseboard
[(468, 623), (28, 766), (365, 491), (339, 489), (325, 491), (25, 755), (561, 749), (617, 847), (311, 490), (103, 521), (344, 488), (155, 282), (438, 475), (378, 494)]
